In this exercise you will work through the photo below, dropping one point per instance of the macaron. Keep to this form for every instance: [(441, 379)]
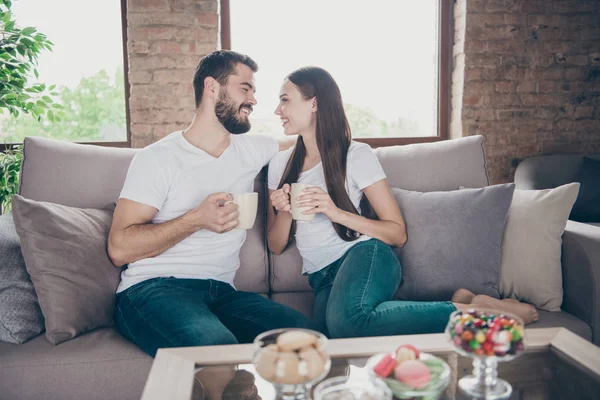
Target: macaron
[(406, 352), (413, 373)]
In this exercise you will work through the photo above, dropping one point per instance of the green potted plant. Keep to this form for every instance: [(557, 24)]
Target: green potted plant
[(10, 165), (19, 51)]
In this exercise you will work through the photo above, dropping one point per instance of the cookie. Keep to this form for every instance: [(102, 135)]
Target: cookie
[(315, 365), (266, 360), (286, 369), (295, 340)]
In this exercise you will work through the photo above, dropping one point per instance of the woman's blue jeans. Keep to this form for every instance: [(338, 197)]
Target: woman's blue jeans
[(170, 312), (353, 297)]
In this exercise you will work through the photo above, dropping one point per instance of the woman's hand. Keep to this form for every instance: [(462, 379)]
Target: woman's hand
[(281, 199), (316, 197)]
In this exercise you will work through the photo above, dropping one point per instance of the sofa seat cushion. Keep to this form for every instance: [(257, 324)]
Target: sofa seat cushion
[(299, 301), (562, 319), (303, 302), (91, 366)]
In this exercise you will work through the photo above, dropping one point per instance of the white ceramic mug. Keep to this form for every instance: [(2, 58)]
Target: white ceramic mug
[(297, 191), (247, 206)]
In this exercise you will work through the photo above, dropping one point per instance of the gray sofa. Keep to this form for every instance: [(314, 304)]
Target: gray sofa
[(104, 365)]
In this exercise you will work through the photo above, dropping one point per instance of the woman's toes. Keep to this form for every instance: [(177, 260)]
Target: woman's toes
[(463, 296)]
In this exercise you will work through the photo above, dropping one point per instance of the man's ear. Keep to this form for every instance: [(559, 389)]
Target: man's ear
[(211, 87)]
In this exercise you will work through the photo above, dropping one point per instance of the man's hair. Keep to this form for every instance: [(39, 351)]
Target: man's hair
[(219, 65)]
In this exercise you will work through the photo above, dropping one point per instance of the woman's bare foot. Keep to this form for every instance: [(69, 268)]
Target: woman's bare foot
[(527, 312), (463, 296), (513, 300)]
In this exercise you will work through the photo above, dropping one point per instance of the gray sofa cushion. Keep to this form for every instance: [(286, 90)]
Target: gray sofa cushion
[(439, 166), (71, 174), (303, 302), (65, 254), (97, 365), (454, 241), (550, 319), (300, 301), (20, 314), (587, 206)]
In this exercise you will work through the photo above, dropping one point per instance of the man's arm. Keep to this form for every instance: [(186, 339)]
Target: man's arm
[(133, 237)]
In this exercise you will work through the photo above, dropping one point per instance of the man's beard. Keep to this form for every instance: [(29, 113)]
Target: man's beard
[(228, 114)]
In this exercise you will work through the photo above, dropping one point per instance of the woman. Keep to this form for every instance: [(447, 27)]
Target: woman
[(348, 258)]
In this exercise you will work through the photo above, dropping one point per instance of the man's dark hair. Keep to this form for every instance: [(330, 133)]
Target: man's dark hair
[(219, 65)]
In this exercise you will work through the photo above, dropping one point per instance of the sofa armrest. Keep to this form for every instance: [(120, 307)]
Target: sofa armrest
[(581, 274), (546, 172), (526, 175)]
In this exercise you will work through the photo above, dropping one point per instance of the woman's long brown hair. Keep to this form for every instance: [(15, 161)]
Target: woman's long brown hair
[(333, 141)]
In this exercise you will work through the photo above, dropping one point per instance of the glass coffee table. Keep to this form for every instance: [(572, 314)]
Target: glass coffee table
[(556, 365)]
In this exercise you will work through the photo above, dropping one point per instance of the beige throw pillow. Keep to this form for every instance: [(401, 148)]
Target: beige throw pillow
[(65, 254), (530, 270)]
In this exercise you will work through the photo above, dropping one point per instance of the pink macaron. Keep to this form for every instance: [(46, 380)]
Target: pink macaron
[(414, 373)]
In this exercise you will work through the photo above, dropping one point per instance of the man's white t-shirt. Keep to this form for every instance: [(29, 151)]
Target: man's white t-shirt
[(316, 240), (174, 176)]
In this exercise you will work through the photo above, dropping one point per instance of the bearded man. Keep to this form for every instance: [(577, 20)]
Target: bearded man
[(174, 225)]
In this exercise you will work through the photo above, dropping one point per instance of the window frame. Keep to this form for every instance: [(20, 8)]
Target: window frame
[(125, 143), (444, 74)]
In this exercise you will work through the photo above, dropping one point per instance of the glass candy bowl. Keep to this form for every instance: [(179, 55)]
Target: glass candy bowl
[(293, 360), (488, 337)]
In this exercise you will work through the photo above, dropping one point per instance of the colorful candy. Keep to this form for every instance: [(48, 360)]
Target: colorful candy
[(486, 334)]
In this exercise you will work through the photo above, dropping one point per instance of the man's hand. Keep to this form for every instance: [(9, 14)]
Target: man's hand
[(217, 213), (281, 199)]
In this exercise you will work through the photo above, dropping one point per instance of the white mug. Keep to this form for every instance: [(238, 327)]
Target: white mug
[(247, 206), (297, 191)]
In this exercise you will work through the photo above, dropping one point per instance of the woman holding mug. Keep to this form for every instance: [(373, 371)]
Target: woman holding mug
[(349, 259)]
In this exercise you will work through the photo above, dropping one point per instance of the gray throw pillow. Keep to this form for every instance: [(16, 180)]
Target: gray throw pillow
[(454, 241), (20, 314), (65, 254)]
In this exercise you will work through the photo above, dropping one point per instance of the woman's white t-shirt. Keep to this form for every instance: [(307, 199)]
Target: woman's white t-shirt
[(316, 240)]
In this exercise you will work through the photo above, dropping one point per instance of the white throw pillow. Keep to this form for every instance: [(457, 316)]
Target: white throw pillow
[(530, 270)]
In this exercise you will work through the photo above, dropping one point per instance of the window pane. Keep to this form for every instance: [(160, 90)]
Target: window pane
[(86, 65), (383, 55)]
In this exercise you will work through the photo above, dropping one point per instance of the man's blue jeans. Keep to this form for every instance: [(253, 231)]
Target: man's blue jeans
[(353, 297), (170, 312)]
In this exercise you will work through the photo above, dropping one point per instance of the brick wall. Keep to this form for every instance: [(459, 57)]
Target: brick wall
[(526, 73), (166, 39), (527, 77)]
